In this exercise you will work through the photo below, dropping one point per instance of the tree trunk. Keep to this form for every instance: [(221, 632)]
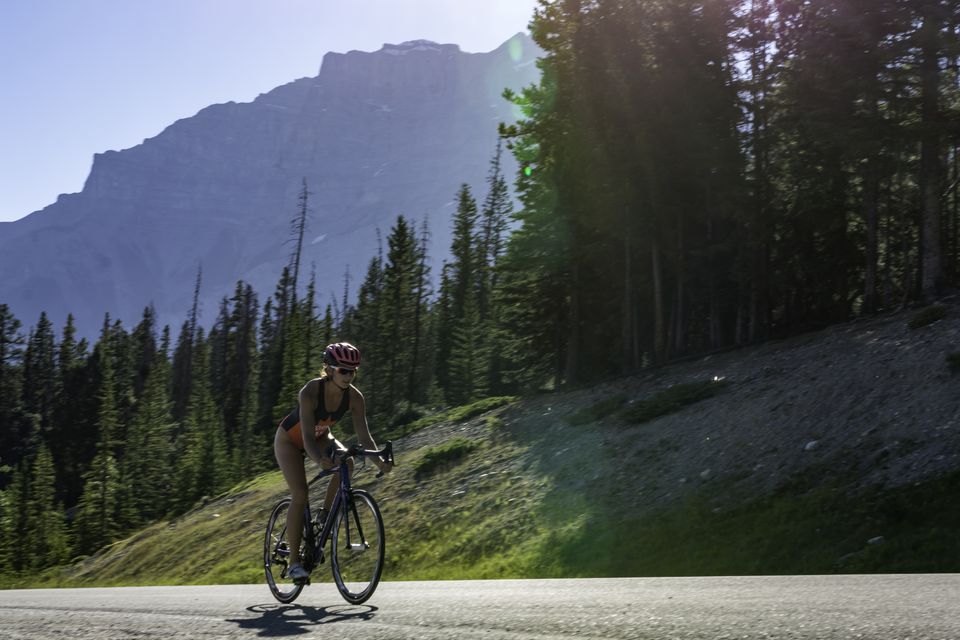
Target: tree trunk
[(627, 335), (716, 336), (659, 327), (930, 164), (760, 237), (573, 329), (870, 204), (758, 296), (870, 209), (679, 319)]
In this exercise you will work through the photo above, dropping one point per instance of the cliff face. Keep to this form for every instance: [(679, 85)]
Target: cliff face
[(375, 135)]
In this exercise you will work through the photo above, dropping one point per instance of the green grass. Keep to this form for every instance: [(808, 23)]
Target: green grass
[(440, 456), (495, 423), (927, 315), (953, 362), (597, 411), (516, 509), (672, 399), (456, 414), (214, 543), (800, 530)]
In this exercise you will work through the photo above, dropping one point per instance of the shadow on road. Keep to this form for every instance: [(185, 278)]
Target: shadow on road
[(277, 620)]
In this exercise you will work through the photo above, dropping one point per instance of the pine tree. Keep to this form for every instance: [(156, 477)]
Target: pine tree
[(362, 327), (203, 465), (293, 373), (420, 369), (219, 338), (312, 348), (39, 381), (459, 290), (15, 514), (496, 212), (468, 361), (146, 471), (7, 528), (274, 378), (298, 227), (144, 346), (71, 422), (398, 311), (164, 353), (240, 408), (495, 216), (932, 14), (97, 521), (11, 401), (49, 543), (182, 379)]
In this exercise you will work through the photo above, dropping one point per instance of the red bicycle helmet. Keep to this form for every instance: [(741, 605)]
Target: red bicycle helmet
[(342, 354)]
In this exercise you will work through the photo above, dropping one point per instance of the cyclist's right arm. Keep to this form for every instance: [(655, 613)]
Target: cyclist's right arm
[(308, 408)]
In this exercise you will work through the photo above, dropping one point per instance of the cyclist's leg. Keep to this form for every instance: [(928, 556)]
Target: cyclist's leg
[(334, 483), (290, 458)]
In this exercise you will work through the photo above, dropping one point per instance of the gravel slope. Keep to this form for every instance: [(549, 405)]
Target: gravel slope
[(872, 400)]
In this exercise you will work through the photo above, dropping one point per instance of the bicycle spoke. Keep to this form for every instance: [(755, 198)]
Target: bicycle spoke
[(276, 556), (358, 548)]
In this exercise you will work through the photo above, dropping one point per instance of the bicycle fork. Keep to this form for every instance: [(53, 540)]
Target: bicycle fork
[(363, 545)]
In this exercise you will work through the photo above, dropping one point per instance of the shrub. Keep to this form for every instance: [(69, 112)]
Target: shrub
[(439, 456), (927, 315), (480, 406), (598, 411), (406, 414), (953, 361), (673, 399), (459, 414), (495, 423)]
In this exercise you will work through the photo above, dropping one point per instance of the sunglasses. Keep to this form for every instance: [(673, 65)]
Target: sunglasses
[(344, 371)]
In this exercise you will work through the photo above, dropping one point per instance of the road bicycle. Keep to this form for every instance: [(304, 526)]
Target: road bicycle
[(353, 526)]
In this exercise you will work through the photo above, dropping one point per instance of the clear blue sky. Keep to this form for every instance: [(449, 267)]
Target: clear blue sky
[(79, 77)]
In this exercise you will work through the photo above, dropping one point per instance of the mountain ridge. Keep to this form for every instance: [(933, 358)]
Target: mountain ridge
[(375, 135)]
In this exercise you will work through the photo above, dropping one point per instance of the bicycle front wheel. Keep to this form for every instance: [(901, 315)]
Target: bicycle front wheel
[(357, 547), (276, 555)]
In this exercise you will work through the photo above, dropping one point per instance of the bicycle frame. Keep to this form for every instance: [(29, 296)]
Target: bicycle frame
[(340, 501), (345, 509)]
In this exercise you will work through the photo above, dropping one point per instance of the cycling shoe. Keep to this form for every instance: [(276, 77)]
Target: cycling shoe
[(297, 573)]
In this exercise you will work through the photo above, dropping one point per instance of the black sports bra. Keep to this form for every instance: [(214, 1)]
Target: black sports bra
[(320, 415)]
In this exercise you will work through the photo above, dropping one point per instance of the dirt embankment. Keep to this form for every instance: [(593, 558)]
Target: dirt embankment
[(872, 402)]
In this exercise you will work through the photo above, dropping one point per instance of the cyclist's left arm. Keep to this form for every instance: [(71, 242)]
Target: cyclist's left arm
[(359, 412)]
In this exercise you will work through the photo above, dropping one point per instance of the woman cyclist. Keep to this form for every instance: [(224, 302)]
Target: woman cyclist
[(323, 401)]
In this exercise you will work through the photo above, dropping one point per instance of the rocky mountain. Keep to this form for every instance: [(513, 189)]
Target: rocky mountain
[(375, 135)]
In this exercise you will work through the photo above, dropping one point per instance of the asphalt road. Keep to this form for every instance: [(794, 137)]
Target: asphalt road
[(917, 607)]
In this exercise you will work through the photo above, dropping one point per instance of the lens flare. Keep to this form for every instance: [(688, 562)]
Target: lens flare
[(516, 49)]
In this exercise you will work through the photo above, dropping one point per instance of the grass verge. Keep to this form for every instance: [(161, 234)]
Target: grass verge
[(456, 414), (672, 399), (438, 457)]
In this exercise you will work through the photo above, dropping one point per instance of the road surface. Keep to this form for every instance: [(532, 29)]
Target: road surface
[(918, 607)]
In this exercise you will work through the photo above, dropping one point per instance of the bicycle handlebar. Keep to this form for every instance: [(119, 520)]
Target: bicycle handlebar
[(385, 454)]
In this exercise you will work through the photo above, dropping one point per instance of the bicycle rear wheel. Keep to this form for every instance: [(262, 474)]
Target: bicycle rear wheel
[(357, 547), (276, 555)]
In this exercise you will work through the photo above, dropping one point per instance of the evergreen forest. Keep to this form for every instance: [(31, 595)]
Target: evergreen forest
[(695, 175)]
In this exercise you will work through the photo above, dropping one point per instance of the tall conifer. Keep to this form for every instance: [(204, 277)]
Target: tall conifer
[(97, 514)]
